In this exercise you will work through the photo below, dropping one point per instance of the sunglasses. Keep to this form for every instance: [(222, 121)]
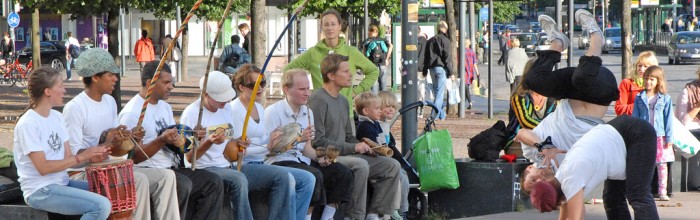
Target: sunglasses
[(263, 83)]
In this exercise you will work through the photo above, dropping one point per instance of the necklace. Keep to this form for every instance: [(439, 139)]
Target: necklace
[(539, 104)]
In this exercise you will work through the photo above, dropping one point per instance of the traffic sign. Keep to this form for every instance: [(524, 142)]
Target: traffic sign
[(13, 20)]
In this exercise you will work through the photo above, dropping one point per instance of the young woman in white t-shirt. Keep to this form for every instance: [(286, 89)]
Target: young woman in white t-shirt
[(42, 154)]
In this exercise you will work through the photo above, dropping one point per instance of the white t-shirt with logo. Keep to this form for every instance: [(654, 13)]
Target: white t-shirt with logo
[(157, 118), (256, 133), (35, 133), (214, 157), (599, 155), (86, 119)]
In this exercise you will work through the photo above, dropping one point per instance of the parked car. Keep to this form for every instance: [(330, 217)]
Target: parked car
[(543, 44), (584, 40), (502, 28), (684, 47), (613, 40), (528, 41), (496, 27), (513, 28), (535, 27), (52, 53)]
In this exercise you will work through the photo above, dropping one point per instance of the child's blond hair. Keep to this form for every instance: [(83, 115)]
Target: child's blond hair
[(388, 99), (364, 100)]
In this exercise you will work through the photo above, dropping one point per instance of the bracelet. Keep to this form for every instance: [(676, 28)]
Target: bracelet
[(546, 144), (76, 159)]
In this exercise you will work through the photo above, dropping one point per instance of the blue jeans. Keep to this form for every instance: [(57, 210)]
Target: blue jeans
[(303, 190), (381, 83), (236, 184), (69, 62), (278, 182), (439, 80), (640, 141), (73, 199)]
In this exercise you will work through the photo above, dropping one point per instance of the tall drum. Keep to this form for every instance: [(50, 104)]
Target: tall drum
[(114, 180)]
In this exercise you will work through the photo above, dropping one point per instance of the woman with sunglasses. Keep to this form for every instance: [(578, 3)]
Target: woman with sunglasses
[(276, 179)]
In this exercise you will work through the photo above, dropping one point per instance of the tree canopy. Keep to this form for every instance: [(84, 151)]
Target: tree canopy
[(506, 10), (348, 7)]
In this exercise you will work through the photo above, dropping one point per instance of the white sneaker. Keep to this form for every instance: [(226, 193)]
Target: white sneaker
[(587, 21), (664, 198), (372, 216), (549, 26)]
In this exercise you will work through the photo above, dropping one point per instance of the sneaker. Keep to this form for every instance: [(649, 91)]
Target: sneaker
[(664, 198), (549, 26), (396, 215), (587, 21), (372, 216)]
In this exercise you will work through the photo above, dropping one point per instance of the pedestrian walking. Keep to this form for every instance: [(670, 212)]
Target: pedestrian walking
[(143, 50), (438, 59)]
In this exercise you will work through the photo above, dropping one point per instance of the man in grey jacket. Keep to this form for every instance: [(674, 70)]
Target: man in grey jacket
[(515, 64)]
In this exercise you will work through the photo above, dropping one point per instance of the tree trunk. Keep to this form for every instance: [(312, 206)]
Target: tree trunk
[(36, 47), (258, 27), (113, 48), (452, 29), (626, 38)]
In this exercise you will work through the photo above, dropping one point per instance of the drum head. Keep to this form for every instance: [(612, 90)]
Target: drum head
[(111, 162)]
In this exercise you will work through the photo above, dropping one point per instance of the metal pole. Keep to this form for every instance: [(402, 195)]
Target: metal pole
[(603, 15), (94, 31), (570, 14), (473, 23), (11, 7), (490, 78), (121, 41), (557, 17), (409, 69), (178, 22), (675, 23), (593, 11), (460, 62)]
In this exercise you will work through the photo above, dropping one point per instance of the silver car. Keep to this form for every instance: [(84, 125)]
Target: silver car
[(684, 47)]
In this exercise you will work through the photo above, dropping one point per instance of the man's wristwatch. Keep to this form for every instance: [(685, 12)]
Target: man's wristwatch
[(546, 144)]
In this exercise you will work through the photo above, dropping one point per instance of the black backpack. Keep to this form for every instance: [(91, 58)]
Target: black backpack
[(74, 51), (376, 50), (233, 60), (487, 145)]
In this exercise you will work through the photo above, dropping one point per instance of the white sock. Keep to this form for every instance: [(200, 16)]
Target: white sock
[(328, 212), (308, 217)]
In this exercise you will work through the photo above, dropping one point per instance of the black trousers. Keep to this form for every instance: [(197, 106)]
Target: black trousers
[(200, 194), (589, 82), (640, 141), (319, 196)]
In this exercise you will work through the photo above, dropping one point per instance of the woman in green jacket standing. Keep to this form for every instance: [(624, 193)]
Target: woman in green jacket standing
[(331, 25)]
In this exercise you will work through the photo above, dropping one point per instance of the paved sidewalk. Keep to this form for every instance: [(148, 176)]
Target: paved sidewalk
[(685, 205)]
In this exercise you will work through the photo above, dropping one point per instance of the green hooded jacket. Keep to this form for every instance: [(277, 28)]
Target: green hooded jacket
[(311, 61)]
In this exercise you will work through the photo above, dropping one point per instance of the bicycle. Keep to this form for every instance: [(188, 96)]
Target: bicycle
[(13, 72)]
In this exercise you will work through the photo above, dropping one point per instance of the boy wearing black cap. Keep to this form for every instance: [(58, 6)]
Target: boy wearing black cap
[(585, 92)]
